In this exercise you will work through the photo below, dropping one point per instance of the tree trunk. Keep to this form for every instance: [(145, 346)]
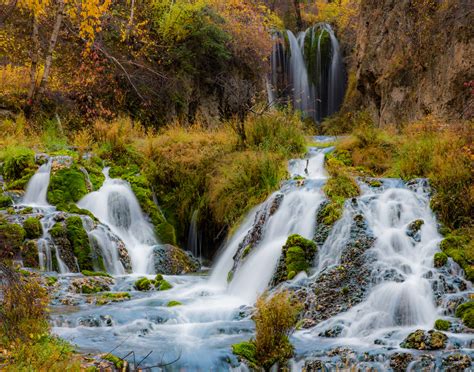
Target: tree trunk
[(130, 21), (34, 58), (52, 45), (299, 20)]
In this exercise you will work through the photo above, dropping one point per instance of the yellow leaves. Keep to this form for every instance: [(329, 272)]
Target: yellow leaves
[(39, 8)]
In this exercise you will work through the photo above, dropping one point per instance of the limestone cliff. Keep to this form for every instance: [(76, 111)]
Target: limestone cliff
[(412, 58)]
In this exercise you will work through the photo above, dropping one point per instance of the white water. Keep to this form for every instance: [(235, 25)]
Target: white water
[(37, 188), (116, 206), (392, 305)]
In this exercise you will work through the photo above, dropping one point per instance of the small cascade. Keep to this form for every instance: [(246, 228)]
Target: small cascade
[(49, 255), (194, 240), (116, 206), (37, 187), (308, 71), (296, 205)]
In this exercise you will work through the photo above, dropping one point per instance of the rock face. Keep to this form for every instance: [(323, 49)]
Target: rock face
[(339, 288), (405, 67), (171, 260)]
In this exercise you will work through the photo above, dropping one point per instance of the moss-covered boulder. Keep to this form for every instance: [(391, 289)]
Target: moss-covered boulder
[(91, 285), (108, 297), (297, 256), (173, 303), (442, 325), (67, 185), (171, 260), (33, 228), (163, 285), (413, 229), (440, 259), (465, 311), (459, 245), (144, 284), (5, 201), (29, 254), (422, 340)]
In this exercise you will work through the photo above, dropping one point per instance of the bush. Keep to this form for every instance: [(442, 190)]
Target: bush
[(11, 238), (274, 319), (17, 160), (33, 228)]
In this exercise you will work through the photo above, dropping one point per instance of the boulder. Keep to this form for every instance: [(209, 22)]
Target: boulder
[(171, 260), (422, 340)]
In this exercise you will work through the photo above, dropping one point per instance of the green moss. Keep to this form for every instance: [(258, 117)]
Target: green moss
[(77, 235), (29, 254), (109, 297), (465, 311), (174, 303), (230, 276), (163, 285), (331, 212), (5, 201), (95, 273), (299, 253), (375, 183), (27, 210), (246, 350), (73, 208), (67, 185), (440, 259), (143, 284), (460, 247), (33, 228), (16, 160), (51, 280), (94, 169), (90, 289), (442, 325), (118, 363), (246, 250), (158, 278)]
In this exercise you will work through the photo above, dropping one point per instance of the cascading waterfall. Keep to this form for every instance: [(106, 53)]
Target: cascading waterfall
[(37, 187), (116, 206), (309, 72)]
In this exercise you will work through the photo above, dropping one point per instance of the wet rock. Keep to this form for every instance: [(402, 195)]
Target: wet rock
[(419, 184), (171, 260), (92, 284), (457, 362), (424, 363), (413, 229), (64, 247), (339, 288), (334, 331), (422, 340), (124, 257), (313, 366), (440, 259), (322, 230), (400, 361)]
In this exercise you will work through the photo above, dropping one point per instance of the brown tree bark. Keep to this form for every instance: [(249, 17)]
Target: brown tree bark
[(34, 58), (52, 44)]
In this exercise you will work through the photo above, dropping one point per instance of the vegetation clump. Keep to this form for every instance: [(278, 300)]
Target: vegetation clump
[(465, 311), (33, 228), (5, 201), (67, 186), (299, 253), (460, 247), (143, 284), (79, 240), (95, 273), (173, 303), (275, 319), (12, 236), (440, 259), (18, 166), (108, 297), (442, 325)]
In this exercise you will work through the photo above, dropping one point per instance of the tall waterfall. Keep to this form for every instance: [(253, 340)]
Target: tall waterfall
[(308, 71), (116, 206), (37, 187)]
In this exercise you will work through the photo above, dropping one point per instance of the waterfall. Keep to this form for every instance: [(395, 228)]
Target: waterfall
[(194, 240), (309, 72), (116, 206), (37, 187), (295, 215)]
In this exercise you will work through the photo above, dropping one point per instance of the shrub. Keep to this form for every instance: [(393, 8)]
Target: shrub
[(33, 228), (17, 160), (5, 201), (11, 239)]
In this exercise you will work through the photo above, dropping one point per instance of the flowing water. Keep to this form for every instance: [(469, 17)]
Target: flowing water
[(308, 70), (116, 206), (37, 187), (405, 291)]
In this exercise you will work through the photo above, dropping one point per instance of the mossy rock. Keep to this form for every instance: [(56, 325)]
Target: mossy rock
[(51, 281), (144, 284), (116, 361), (5, 201), (108, 297), (67, 185), (246, 250), (247, 351), (465, 311), (173, 304), (422, 340), (460, 247), (29, 254), (95, 273), (442, 325), (79, 240), (440, 259), (33, 228), (331, 212), (163, 285)]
